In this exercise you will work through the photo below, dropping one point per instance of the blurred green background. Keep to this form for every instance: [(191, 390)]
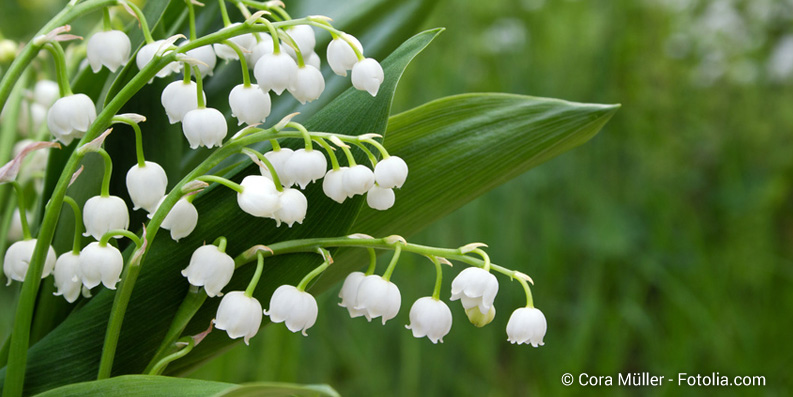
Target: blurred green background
[(663, 245)]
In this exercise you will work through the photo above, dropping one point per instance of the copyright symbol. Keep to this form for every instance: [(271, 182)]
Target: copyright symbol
[(567, 379)]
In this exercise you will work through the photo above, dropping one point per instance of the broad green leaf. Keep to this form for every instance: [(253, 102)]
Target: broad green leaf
[(160, 288), (274, 389)]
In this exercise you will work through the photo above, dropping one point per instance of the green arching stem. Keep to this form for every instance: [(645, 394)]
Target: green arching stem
[(61, 70), (106, 25), (160, 366), (335, 33), (529, 297), (372, 261), (246, 13), (383, 153), (224, 13), (221, 243), (369, 154), (484, 256), (187, 74), (223, 181), (138, 138), (144, 26), (304, 132), (246, 77), (200, 86), (436, 292), (23, 217), (256, 275), (275, 145), (273, 34), (78, 224), (105, 192), (281, 12), (191, 19), (300, 62), (120, 232), (350, 158), (273, 174), (334, 162), (316, 272), (392, 265), (192, 302)]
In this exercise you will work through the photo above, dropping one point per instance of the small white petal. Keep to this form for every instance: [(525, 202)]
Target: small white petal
[(239, 315), (103, 214), (209, 268), (527, 325), (380, 198), (297, 309), (391, 172), (68, 278), (146, 185), (341, 56), (179, 98), (259, 196), (265, 46), (17, 260), (181, 220), (475, 287), (278, 159), (367, 75), (333, 185), (147, 53), (275, 72), (70, 117), (305, 166), (110, 49), (431, 318), (100, 264), (358, 179), (378, 298), (349, 293), (207, 56), (293, 207), (204, 127), (249, 105), (307, 84)]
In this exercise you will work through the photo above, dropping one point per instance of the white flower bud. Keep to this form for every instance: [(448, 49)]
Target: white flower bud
[(206, 55), (204, 127), (100, 264), (209, 268), (475, 287), (239, 315), (275, 72), (103, 214), (68, 278), (293, 207), (478, 319), (264, 46), (349, 293), (278, 159), (333, 185), (358, 179), (527, 325), (259, 196), (46, 92), (303, 35), (147, 53), (377, 297), (380, 198), (245, 41), (305, 166), (146, 185), (391, 172), (110, 49), (307, 84), (181, 220), (249, 105), (70, 117), (341, 56), (179, 98), (313, 60), (431, 318), (367, 75), (17, 260), (296, 309)]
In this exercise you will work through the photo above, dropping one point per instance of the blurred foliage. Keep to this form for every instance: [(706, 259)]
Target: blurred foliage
[(663, 245)]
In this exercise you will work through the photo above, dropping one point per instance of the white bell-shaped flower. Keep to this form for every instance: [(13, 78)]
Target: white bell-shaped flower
[(209, 268), (103, 214), (146, 185), (208, 59), (296, 309), (100, 264), (367, 75), (349, 293), (110, 49), (305, 166), (380, 198), (275, 72), (181, 220), (15, 228), (17, 260), (249, 105), (341, 57), (239, 315), (378, 298), (68, 279), (278, 159), (293, 207), (527, 325), (475, 287), (313, 60), (46, 92), (431, 318), (147, 53), (245, 41), (259, 196), (333, 185), (304, 37), (262, 47), (307, 84), (179, 98), (204, 127), (391, 172), (70, 116), (31, 117), (358, 179)]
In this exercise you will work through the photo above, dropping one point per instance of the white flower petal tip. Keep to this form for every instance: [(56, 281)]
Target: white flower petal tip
[(239, 315), (377, 297), (179, 98), (367, 75), (293, 207), (146, 185), (209, 268), (275, 72), (204, 127), (109, 49), (379, 198), (17, 260), (68, 277), (70, 117), (249, 105), (259, 196), (296, 309), (349, 293), (103, 214), (100, 264), (431, 318), (527, 325), (341, 56), (475, 287), (391, 172), (307, 84), (305, 166), (181, 220)]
